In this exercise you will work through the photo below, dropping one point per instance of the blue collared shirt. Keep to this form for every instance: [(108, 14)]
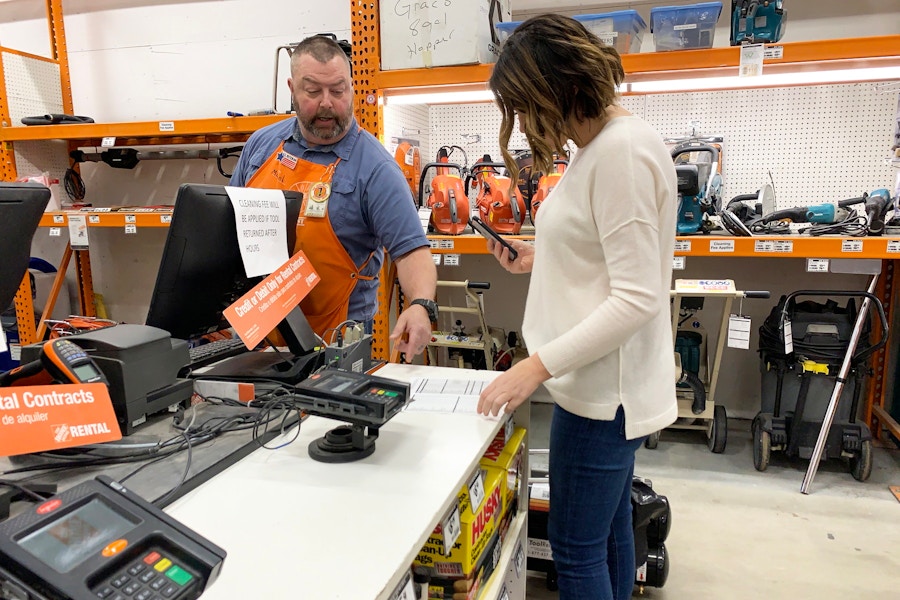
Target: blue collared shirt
[(371, 206)]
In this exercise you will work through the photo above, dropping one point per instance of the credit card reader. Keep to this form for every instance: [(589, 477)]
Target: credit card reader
[(101, 540)]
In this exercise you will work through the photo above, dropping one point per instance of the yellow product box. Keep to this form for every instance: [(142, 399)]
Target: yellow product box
[(477, 525), (469, 587), (508, 457)]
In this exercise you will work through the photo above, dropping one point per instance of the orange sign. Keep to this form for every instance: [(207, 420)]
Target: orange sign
[(49, 417), (260, 310)]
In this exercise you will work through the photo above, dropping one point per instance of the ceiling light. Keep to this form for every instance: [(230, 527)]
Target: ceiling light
[(765, 80)]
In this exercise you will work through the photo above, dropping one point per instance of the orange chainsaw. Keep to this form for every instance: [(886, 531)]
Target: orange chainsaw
[(502, 213), (409, 160), (545, 185), (448, 201)]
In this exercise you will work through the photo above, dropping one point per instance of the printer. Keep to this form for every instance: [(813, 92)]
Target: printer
[(141, 364)]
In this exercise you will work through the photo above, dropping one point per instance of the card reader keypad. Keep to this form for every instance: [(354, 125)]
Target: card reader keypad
[(153, 576)]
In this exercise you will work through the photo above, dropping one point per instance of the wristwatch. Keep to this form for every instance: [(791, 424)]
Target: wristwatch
[(430, 306)]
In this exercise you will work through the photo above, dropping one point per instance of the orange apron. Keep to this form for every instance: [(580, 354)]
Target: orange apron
[(327, 304)]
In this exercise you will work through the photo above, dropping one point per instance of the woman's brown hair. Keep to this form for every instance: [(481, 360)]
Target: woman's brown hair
[(552, 69)]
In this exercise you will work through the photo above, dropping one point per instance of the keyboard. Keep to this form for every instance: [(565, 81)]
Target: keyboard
[(211, 352)]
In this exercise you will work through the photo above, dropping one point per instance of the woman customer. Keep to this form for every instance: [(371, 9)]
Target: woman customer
[(597, 321)]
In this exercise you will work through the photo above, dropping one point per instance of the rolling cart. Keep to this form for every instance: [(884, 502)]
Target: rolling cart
[(457, 347), (697, 408)]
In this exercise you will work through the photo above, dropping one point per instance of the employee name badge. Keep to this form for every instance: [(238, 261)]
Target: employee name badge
[(316, 204), (739, 332)]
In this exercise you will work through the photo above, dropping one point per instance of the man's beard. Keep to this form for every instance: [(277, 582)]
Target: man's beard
[(327, 133)]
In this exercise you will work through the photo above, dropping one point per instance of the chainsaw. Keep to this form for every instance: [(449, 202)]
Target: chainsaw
[(504, 214), (448, 201), (545, 184), (698, 168), (409, 160)]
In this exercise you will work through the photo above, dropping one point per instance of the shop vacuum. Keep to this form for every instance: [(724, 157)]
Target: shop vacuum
[(798, 378)]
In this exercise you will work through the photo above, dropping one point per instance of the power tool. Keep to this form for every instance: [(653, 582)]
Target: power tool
[(409, 160), (448, 200), (756, 22), (831, 219), (698, 169), (503, 213), (545, 185)]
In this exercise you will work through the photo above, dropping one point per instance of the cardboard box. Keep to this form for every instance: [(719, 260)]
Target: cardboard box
[(477, 525), (469, 587), (416, 35), (509, 459)]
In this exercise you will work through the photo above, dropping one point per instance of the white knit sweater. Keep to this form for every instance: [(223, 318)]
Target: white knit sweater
[(598, 301)]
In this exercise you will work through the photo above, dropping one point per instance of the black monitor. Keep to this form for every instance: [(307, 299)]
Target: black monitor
[(201, 272), (21, 207)]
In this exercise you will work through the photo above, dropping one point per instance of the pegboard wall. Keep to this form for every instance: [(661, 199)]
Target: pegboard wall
[(411, 122), (820, 143), (32, 87)]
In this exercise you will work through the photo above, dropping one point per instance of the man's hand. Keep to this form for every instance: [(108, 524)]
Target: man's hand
[(513, 387), (412, 331)]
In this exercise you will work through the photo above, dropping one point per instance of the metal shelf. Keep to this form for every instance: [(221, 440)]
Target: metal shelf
[(724, 246), (182, 131), (847, 53), (120, 218)]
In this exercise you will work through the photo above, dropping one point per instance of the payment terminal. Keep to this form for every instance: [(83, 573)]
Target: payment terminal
[(101, 540)]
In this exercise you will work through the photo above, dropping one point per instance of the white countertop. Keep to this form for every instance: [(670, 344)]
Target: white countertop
[(297, 528)]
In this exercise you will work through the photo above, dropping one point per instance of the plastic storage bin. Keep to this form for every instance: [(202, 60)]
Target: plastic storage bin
[(685, 27), (622, 29), (504, 30)]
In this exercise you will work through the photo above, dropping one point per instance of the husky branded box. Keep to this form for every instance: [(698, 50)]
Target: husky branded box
[(477, 524), (416, 35), (469, 587), (508, 457)]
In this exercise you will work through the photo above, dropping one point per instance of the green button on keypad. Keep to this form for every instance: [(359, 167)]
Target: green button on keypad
[(179, 575)]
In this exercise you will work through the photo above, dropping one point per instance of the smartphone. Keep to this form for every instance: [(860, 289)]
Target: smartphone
[(485, 230)]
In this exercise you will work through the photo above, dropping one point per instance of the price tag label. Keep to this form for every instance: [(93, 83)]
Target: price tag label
[(451, 528), (451, 260), (851, 246), (774, 52), (721, 245), (55, 231), (437, 259), (783, 246), (751, 60), (520, 559), (78, 232), (131, 228), (476, 491), (682, 245), (446, 244), (739, 332), (93, 219), (893, 246), (764, 246), (540, 491), (165, 218), (425, 219), (108, 142), (817, 265), (788, 337), (678, 263), (131, 218), (59, 219), (434, 244), (406, 589)]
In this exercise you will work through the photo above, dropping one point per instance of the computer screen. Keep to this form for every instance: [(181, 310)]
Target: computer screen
[(21, 207), (201, 272)]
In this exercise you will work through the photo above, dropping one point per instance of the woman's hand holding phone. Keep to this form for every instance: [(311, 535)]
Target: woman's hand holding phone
[(522, 263)]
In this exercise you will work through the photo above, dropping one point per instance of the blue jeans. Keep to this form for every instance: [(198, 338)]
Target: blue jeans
[(590, 531)]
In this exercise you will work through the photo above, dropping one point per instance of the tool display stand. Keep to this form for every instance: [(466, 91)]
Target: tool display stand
[(697, 408), (798, 380), (651, 517), (456, 347)]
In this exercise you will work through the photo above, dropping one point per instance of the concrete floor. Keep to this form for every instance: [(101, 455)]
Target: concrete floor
[(740, 534)]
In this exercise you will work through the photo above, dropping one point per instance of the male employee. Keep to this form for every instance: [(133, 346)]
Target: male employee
[(356, 201)]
